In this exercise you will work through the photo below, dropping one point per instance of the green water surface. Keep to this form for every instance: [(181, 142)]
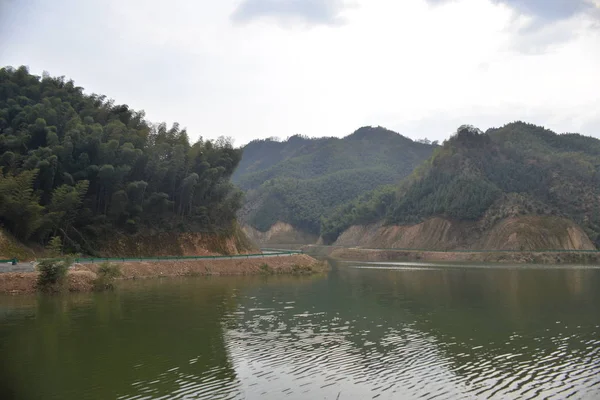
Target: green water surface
[(385, 331)]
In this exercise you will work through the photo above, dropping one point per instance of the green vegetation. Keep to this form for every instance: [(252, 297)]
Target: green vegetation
[(79, 167), (296, 269), (107, 273), (54, 246), (10, 247), (303, 269), (53, 274), (371, 206), (265, 269), (519, 169), (300, 180)]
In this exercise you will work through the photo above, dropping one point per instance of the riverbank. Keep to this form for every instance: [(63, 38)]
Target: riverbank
[(517, 257), (81, 277)]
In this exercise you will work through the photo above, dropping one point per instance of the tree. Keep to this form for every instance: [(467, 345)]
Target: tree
[(301, 181), (80, 166), (54, 246), (519, 169), (19, 205)]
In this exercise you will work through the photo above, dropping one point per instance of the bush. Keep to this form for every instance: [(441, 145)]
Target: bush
[(265, 269), (301, 269), (107, 273), (109, 270), (53, 274)]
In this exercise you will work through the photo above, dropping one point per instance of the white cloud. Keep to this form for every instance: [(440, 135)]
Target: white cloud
[(419, 68)]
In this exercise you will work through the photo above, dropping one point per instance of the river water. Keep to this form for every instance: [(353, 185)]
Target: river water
[(385, 331)]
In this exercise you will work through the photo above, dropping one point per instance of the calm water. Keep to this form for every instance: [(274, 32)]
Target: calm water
[(383, 331)]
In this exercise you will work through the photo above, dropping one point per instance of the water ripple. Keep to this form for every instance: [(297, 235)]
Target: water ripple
[(401, 362), (357, 334)]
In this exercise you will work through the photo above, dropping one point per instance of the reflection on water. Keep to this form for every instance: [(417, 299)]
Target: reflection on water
[(358, 333)]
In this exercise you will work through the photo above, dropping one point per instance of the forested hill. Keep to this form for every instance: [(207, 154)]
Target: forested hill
[(517, 170), (79, 167), (300, 180)]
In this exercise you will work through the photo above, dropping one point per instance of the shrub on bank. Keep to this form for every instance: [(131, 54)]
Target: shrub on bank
[(107, 273), (266, 269), (53, 274), (302, 269)]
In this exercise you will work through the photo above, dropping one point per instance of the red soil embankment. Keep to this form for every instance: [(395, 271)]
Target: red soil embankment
[(81, 276), (251, 266), (517, 257), (25, 282)]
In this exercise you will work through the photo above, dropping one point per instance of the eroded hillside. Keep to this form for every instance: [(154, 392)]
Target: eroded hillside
[(519, 186)]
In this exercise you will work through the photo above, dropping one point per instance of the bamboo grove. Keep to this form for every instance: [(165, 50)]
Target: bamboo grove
[(79, 166)]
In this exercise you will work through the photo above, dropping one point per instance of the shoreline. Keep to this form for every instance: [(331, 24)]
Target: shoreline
[(500, 257), (80, 277)]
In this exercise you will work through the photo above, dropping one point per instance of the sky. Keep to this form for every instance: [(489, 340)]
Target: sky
[(253, 69)]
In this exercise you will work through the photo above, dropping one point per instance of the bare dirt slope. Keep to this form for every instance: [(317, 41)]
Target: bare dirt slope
[(279, 233), (175, 244), (12, 248), (145, 244), (514, 233)]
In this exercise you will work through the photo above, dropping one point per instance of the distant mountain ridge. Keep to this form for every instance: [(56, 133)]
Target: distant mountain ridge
[(482, 179), (301, 180)]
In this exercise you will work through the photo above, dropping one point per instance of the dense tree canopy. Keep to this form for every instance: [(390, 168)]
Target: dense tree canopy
[(517, 169), (301, 180), (79, 166)]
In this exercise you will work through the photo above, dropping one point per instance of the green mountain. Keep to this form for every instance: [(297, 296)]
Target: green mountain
[(301, 180), (517, 170), (81, 168)]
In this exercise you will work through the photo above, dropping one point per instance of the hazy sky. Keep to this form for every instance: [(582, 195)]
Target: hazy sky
[(258, 68)]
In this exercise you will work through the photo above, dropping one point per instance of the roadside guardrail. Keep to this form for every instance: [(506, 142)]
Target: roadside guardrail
[(272, 253)]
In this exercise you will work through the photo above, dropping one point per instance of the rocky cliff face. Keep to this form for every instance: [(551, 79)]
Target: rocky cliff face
[(514, 233)]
